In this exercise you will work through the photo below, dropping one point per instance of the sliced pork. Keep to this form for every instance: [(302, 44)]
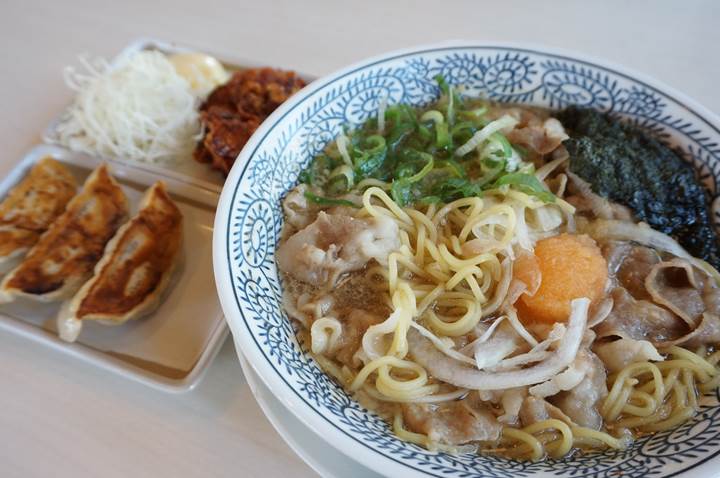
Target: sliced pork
[(581, 403), (619, 354), (333, 245), (535, 410), (640, 320), (452, 423), (299, 210), (675, 285), (534, 130), (354, 326)]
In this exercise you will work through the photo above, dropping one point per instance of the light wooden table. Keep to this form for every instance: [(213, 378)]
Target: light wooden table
[(62, 418)]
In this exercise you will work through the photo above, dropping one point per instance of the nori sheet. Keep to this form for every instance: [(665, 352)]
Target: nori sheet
[(627, 165)]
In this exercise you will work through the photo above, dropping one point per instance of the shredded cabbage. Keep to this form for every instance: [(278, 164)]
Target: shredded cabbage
[(482, 135), (141, 109)]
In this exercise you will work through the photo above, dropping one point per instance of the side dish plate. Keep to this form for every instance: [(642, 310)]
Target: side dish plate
[(184, 169), (171, 348)]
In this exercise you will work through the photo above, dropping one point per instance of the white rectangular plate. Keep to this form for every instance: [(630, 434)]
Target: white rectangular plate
[(184, 169), (169, 349)]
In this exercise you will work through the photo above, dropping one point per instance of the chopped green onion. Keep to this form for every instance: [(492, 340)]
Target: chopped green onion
[(526, 183), (337, 185), (523, 152), (442, 138), (323, 201), (369, 160), (476, 113), (442, 84), (346, 172), (453, 166), (433, 115), (492, 169), (306, 176), (416, 155), (424, 171), (425, 133), (401, 192), (374, 144), (456, 188), (463, 125), (451, 106), (430, 200), (504, 144)]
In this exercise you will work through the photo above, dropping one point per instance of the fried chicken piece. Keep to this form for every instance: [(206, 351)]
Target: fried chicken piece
[(233, 111)]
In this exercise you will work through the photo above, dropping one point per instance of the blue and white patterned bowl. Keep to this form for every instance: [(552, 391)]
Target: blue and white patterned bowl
[(249, 220)]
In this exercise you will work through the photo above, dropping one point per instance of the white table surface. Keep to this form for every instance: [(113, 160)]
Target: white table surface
[(62, 418)]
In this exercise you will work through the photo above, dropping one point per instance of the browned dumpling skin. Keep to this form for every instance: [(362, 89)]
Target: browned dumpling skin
[(30, 208), (144, 252), (135, 270), (64, 257)]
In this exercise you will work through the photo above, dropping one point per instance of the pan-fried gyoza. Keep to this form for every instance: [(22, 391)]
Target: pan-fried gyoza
[(64, 257), (136, 269), (31, 207)]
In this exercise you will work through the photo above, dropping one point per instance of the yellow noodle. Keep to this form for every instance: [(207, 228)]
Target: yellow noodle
[(649, 404), (458, 327), (393, 210), (536, 448), (698, 370), (369, 182), (694, 358), (385, 361), (567, 437), (433, 278), (406, 435), (430, 298), (500, 209), (598, 436), (674, 420), (616, 407)]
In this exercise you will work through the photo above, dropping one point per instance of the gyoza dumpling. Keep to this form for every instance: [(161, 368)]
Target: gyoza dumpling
[(30, 208), (136, 268), (64, 257)]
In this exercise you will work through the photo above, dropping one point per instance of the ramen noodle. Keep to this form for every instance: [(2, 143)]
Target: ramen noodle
[(453, 273)]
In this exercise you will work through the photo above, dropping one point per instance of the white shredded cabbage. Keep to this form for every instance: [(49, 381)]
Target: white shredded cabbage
[(481, 136), (545, 219), (536, 354), (545, 170), (519, 327), (522, 231), (382, 106), (491, 352), (470, 348), (567, 380), (458, 374), (514, 161), (141, 109), (342, 142), (441, 345)]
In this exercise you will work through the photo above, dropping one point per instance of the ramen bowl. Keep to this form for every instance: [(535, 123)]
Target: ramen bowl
[(250, 218)]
